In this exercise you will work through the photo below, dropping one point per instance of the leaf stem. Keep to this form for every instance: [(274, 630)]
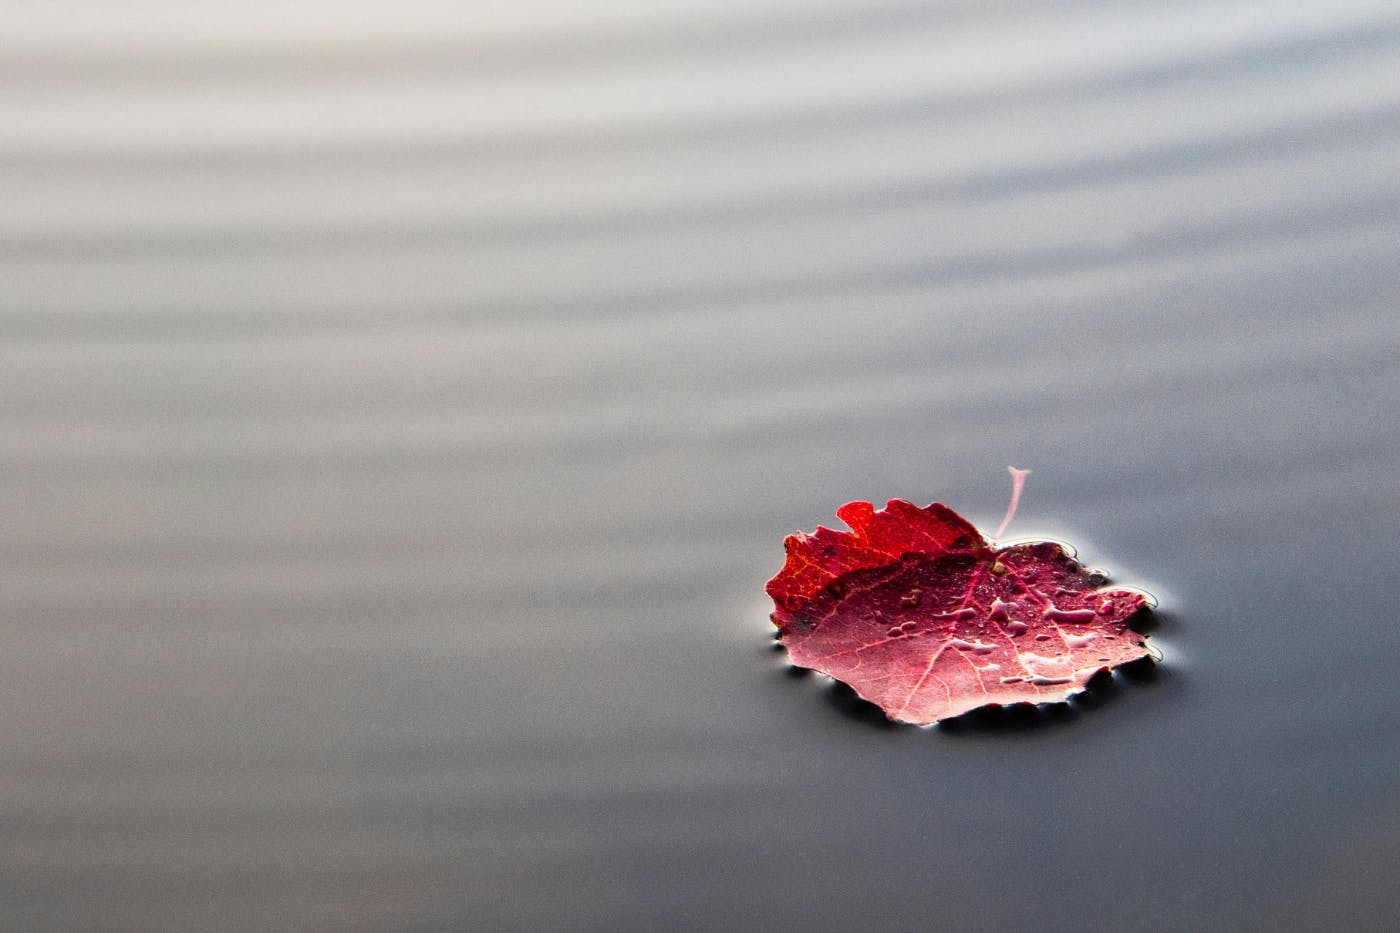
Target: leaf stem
[(1018, 480)]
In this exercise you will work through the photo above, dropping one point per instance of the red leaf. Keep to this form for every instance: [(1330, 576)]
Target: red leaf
[(920, 616)]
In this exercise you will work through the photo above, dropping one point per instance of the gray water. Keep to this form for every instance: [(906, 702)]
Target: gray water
[(400, 414)]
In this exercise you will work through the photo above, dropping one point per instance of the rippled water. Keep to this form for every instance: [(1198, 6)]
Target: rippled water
[(402, 413)]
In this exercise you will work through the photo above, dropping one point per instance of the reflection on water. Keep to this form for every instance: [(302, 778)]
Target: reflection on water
[(402, 414)]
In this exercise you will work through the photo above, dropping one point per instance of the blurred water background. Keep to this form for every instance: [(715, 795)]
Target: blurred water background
[(402, 406)]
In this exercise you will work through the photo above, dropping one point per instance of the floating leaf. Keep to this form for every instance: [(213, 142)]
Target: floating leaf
[(922, 616)]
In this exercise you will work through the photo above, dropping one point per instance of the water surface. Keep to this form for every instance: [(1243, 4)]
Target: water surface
[(402, 416)]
